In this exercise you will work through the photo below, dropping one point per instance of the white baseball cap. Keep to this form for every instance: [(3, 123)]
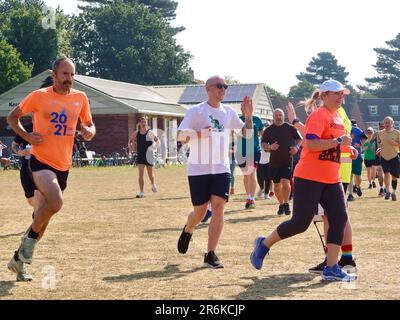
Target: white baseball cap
[(333, 86)]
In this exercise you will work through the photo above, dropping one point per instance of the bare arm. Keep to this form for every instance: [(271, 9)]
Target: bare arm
[(132, 142), (300, 127), (15, 147), (186, 135), (15, 124), (322, 145)]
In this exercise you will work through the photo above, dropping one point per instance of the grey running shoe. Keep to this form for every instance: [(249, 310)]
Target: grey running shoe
[(25, 252), (387, 196), (19, 268), (394, 197)]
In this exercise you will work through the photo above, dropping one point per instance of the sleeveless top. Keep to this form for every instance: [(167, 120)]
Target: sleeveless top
[(142, 143)]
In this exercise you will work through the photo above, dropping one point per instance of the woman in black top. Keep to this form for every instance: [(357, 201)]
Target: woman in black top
[(142, 142)]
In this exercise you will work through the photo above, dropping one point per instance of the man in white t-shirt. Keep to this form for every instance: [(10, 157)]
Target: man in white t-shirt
[(207, 127)]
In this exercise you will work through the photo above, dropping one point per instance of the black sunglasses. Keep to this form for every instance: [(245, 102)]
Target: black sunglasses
[(220, 86)]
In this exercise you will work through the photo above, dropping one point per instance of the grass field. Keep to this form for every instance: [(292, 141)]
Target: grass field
[(105, 244)]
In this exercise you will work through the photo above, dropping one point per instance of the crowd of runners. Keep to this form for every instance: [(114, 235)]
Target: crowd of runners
[(313, 164)]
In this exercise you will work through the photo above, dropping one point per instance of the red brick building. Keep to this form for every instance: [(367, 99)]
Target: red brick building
[(115, 106)]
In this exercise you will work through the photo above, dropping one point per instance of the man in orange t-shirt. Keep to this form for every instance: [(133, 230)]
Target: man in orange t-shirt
[(56, 112)]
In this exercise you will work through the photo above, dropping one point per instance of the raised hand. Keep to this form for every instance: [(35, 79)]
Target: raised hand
[(247, 107), (291, 112)]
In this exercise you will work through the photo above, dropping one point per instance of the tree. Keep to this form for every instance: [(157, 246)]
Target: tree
[(323, 67), (167, 8), (27, 29), (303, 89), (127, 42), (13, 70), (273, 92), (231, 80), (387, 83)]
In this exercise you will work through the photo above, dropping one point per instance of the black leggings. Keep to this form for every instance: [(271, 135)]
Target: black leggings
[(306, 196), (264, 177)]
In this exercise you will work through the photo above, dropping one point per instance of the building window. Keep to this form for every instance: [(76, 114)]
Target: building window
[(373, 110), (397, 125), (394, 110)]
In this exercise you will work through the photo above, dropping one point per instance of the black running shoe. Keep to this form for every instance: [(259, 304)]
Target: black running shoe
[(388, 195), (318, 268), (287, 209), (359, 192), (370, 186), (211, 261), (183, 242), (373, 184), (381, 192), (281, 209), (348, 265)]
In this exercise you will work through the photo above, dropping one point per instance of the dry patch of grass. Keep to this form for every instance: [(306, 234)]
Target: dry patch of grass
[(105, 244)]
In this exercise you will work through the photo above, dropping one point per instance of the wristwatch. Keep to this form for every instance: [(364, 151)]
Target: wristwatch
[(339, 141), (295, 120)]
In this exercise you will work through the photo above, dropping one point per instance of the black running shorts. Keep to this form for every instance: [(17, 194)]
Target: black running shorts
[(283, 172), (62, 176), (202, 187), (391, 166)]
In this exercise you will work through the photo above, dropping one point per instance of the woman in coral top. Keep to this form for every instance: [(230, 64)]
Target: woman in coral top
[(317, 180)]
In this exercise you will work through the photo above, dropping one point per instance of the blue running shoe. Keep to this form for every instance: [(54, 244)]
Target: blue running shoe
[(259, 253), (335, 273), (206, 216)]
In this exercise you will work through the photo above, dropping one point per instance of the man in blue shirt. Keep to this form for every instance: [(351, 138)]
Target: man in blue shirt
[(358, 139)]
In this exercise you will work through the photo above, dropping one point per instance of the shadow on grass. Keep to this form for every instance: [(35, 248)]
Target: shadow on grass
[(12, 235), (250, 219), (118, 199), (178, 230), (205, 225), (170, 272), (235, 211), (5, 287), (172, 199), (278, 286)]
